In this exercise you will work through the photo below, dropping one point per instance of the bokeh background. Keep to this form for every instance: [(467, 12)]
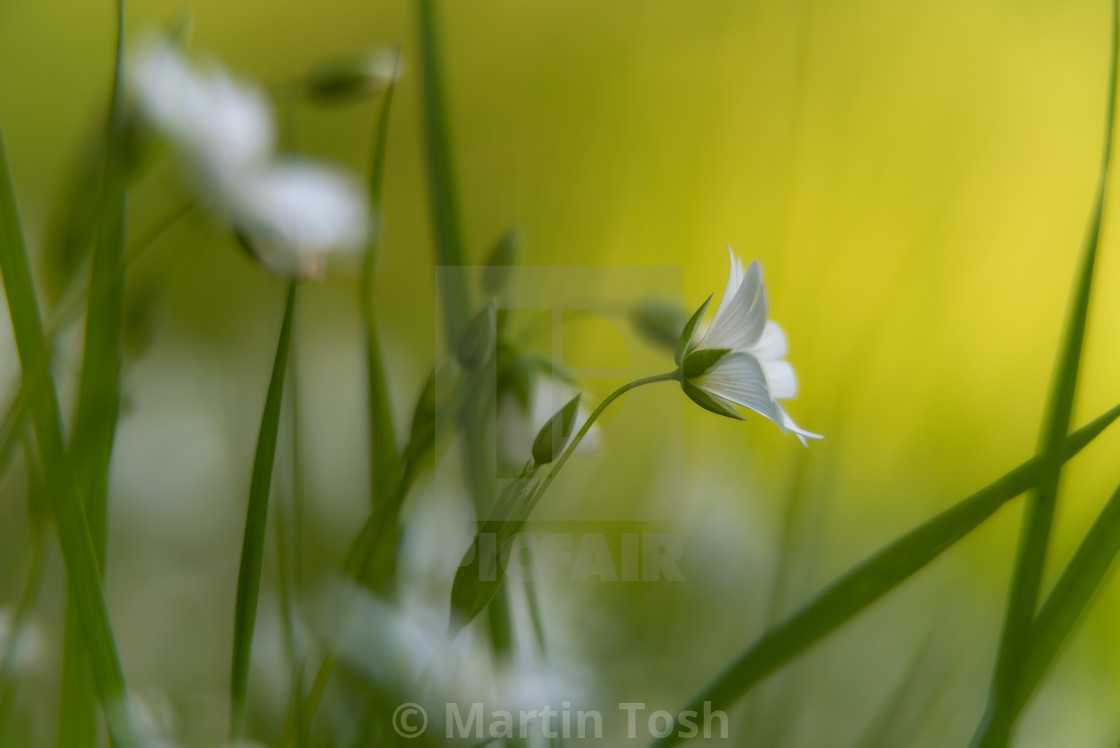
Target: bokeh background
[(915, 180)]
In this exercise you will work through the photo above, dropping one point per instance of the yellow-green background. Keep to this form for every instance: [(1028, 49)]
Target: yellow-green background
[(915, 179)]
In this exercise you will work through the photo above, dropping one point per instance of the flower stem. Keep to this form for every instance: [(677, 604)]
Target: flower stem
[(534, 499), (669, 376)]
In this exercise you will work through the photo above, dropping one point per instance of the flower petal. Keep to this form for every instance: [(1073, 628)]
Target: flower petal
[(300, 211), (772, 345), (738, 377), (220, 124), (780, 379), (738, 324), (734, 281), (787, 424)]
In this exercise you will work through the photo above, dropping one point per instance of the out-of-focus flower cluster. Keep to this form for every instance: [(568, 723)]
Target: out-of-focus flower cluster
[(290, 212)]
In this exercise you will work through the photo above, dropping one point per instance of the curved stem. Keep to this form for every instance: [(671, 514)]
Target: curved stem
[(669, 376)]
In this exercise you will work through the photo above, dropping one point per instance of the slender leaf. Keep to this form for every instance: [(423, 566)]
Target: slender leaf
[(256, 522), (456, 294), (77, 546), (994, 730), (441, 178), (99, 396), (1069, 598), (863, 585), (384, 458)]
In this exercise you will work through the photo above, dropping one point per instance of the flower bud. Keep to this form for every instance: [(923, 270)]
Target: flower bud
[(478, 339), (354, 78), (552, 439), (499, 265)]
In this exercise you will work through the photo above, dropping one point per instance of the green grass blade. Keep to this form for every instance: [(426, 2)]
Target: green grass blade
[(875, 577), (995, 728), (456, 294), (441, 179), (10, 427), (99, 396), (70, 520), (1069, 598), (256, 522), (384, 458)]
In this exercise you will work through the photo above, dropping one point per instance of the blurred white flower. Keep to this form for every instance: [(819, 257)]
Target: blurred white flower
[(753, 371), (290, 212), (405, 646), (294, 212), (222, 126), (518, 426), (30, 647)]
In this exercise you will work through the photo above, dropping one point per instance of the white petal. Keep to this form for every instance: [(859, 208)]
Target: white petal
[(772, 345), (298, 211), (738, 377), (787, 424), (734, 281), (738, 324), (780, 379), (220, 125)]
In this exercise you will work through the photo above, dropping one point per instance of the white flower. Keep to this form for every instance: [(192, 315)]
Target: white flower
[(746, 364), (294, 212), (223, 126), (291, 212), (518, 427)]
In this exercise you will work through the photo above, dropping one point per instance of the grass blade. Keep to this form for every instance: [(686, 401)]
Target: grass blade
[(875, 577), (99, 396), (441, 179), (995, 727), (384, 458), (456, 295), (1070, 597), (70, 520), (256, 522)]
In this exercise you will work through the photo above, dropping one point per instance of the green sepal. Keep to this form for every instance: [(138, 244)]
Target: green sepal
[(551, 439), (698, 362), (690, 330), (352, 78), (715, 404)]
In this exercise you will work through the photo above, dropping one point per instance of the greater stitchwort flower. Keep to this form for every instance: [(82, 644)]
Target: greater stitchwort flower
[(289, 212), (740, 358)]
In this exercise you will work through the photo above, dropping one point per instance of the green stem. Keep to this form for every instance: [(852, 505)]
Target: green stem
[(669, 376), (479, 578), (384, 458)]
